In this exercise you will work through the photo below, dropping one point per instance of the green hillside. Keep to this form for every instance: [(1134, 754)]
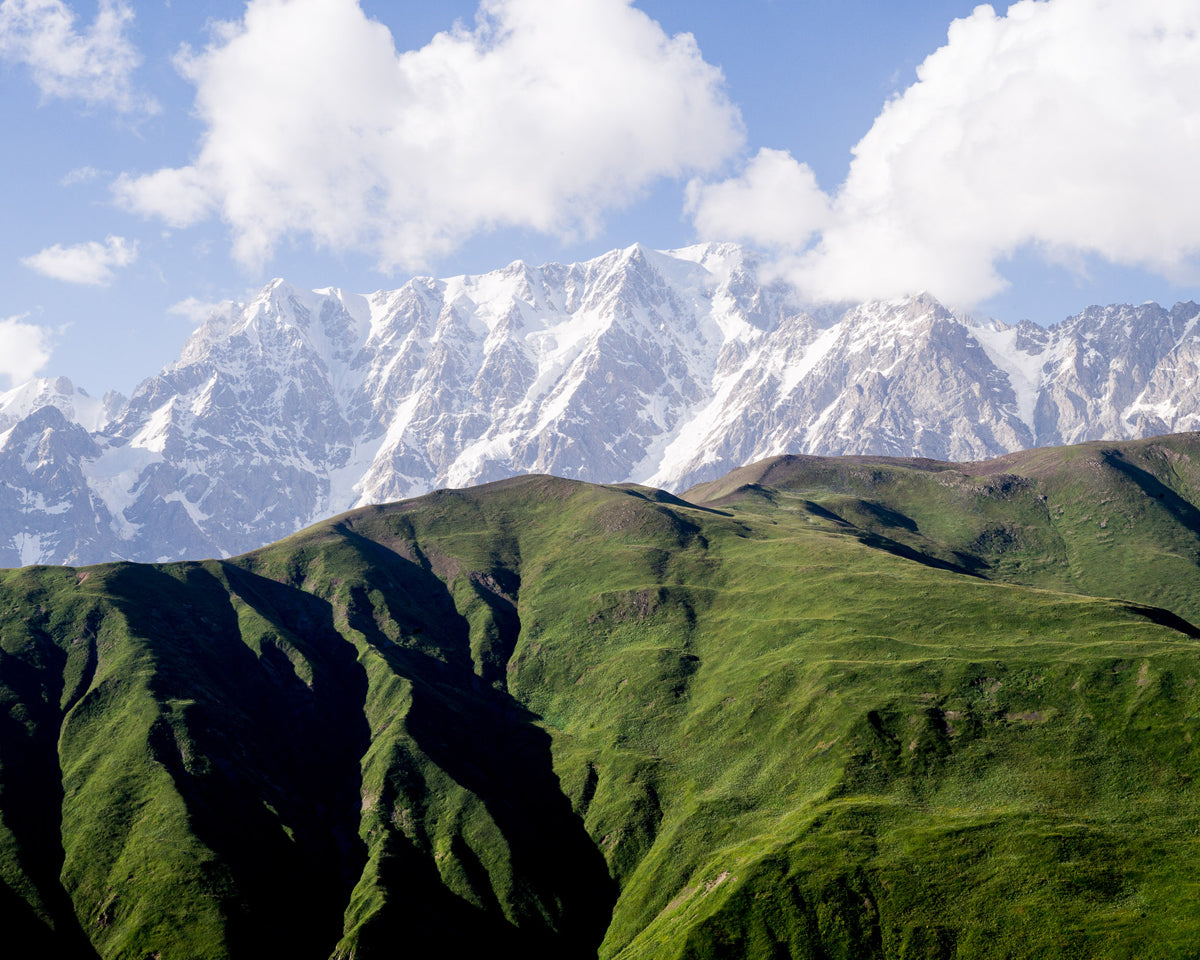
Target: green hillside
[(822, 708)]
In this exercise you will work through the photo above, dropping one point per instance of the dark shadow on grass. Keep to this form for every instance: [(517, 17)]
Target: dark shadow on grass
[(825, 514), (886, 516), (32, 806), (498, 590), (1185, 513), (31, 792), (266, 763), (488, 743), (969, 565), (655, 495), (1165, 618)]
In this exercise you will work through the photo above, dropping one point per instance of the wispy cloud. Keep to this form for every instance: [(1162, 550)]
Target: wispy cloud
[(80, 175), (545, 115), (24, 349), (90, 263), (1072, 126), (95, 65), (196, 311)]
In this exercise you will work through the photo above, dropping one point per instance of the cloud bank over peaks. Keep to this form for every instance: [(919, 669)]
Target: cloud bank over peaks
[(543, 115), (95, 66), (1069, 125)]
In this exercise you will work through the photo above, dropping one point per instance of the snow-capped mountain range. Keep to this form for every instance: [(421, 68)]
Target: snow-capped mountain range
[(664, 368)]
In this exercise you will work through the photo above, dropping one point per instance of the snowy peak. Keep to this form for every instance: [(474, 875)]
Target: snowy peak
[(58, 392), (659, 367)]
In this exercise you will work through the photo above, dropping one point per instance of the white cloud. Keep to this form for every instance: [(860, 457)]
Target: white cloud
[(197, 311), (179, 196), (1069, 125), (24, 349), (545, 115), (79, 175), (95, 66), (88, 263), (775, 202)]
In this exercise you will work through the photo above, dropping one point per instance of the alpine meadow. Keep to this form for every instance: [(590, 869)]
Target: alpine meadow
[(822, 707)]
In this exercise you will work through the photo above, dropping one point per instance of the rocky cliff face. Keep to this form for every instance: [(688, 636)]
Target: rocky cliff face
[(661, 368)]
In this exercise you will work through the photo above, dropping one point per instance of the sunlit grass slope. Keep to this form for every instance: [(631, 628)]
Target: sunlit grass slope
[(828, 708), (1102, 518)]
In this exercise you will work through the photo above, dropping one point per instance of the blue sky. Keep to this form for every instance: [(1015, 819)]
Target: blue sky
[(1020, 162)]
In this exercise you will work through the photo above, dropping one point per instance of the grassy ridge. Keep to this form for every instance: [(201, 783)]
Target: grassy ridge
[(1100, 518), (828, 708)]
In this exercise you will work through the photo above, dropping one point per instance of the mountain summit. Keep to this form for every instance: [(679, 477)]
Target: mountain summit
[(665, 368)]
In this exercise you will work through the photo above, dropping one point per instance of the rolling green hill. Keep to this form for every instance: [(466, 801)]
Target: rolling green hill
[(822, 708)]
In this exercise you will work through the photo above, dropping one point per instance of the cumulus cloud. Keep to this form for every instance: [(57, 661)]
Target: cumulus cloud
[(95, 65), (775, 202), (88, 263), (24, 349), (1072, 126), (542, 115)]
